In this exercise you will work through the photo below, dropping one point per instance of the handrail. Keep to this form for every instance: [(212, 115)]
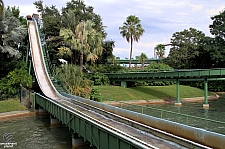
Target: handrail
[(186, 116)]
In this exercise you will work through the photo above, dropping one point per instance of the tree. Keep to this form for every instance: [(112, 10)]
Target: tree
[(132, 31), (185, 47), (85, 40), (107, 52), (142, 58), (1, 9), (215, 46), (11, 35), (160, 50)]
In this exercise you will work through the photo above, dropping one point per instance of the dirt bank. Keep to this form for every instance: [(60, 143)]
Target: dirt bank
[(215, 96), (15, 114)]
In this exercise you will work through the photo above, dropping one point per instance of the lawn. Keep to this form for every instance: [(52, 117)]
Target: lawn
[(118, 93), (11, 105)]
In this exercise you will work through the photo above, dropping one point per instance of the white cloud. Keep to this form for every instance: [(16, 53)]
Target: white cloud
[(27, 10), (212, 12), (195, 7), (160, 19)]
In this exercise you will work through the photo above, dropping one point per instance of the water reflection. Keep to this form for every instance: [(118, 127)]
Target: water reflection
[(216, 112), (35, 133)]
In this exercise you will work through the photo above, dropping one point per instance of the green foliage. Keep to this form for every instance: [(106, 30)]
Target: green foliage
[(155, 67), (100, 79), (11, 105), (118, 93), (185, 47), (9, 85), (107, 68), (11, 35), (70, 74), (160, 50), (142, 58), (96, 94)]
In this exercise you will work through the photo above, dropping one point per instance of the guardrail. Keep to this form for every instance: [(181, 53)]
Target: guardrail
[(200, 122)]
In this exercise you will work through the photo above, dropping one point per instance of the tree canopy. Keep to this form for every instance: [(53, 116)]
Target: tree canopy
[(185, 47)]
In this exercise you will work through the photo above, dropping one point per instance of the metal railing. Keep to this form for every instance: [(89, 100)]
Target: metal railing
[(200, 122)]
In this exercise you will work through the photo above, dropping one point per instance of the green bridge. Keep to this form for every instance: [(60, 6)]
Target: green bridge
[(107, 127), (204, 75), (134, 61)]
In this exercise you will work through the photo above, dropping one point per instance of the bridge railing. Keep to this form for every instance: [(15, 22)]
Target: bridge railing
[(163, 70), (200, 122)]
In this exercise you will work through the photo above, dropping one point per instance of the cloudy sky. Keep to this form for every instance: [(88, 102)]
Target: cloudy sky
[(159, 18)]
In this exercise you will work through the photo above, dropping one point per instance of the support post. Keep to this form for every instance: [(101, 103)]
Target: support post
[(77, 141), (206, 104), (178, 103), (21, 92), (55, 122), (41, 112), (30, 67), (123, 84)]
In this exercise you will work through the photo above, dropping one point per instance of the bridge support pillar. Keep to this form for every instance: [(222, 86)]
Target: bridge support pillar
[(206, 104), (178, 103), (54, 122), (77, 141), (123, 84), (41, 111)]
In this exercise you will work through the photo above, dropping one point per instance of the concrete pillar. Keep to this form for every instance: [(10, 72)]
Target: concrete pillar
[(123, 84), (55, 122), (178, 103), (41, 113), (206, 104), (77, 141)]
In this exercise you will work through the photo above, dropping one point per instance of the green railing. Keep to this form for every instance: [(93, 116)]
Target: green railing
[(200, 122)]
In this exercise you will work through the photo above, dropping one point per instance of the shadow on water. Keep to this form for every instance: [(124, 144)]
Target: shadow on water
[(35, 132)]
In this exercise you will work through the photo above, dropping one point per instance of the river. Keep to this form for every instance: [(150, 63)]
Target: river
[(35, 132)]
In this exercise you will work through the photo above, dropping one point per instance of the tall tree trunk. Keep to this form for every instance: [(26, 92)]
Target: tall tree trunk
[(131, 48)]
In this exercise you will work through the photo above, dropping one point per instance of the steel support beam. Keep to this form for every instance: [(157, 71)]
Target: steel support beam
[(123, 84), (206, 104), (178, 103)]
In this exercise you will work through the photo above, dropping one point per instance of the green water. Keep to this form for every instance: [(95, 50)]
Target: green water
[(35, 133), (192, 114)]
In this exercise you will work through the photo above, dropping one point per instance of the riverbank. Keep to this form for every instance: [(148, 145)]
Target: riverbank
[(150, 93), (214, 96), (15, 114)]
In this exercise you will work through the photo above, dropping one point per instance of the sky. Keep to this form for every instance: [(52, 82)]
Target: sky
[(159, 18)]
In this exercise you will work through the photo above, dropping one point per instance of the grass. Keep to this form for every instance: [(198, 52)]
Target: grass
[(11, 105), (118, 93)]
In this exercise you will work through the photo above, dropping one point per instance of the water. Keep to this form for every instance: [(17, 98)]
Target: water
[(215, 112), (35, 133)]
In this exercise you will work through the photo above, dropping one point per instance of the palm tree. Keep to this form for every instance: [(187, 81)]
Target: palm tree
[(1, 9), (94, 39), (83, 47), (11, 35), (131, 30), (142, 58), (160, 50)]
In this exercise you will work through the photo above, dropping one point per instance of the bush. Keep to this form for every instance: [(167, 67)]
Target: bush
[(96, 94), (100, 79)]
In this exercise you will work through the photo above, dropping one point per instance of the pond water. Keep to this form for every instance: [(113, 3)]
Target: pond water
[(34, 132)]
